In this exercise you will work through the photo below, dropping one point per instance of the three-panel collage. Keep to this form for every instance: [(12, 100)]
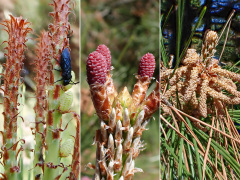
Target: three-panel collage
[(119, 89)]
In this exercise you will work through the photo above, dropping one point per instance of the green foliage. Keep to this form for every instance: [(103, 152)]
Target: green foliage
[(195, 3)]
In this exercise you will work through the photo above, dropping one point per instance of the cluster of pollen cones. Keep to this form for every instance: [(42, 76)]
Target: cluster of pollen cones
[(123, 117), (200, 82)]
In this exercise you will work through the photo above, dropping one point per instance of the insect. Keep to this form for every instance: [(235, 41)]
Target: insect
[(66, 67)]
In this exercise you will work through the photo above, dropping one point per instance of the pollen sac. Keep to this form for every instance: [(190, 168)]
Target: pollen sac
[(96, 68), (66, 148), (103, 49), (147, 65), (66, 100)]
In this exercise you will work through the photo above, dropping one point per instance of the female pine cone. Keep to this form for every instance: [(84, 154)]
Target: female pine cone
[(97, 68)]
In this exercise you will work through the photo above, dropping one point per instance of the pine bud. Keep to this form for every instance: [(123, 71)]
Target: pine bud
[(124, 97)]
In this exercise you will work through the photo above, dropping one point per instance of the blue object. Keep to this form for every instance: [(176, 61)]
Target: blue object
[(66, 67)]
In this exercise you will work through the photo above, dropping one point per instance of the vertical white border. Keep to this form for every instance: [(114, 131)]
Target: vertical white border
[(80, 154), (159, 90)]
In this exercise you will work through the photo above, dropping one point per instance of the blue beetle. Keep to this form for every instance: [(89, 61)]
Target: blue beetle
[(66, 67)]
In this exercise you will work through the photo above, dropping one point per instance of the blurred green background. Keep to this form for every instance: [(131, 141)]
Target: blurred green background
[(130, 29)]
